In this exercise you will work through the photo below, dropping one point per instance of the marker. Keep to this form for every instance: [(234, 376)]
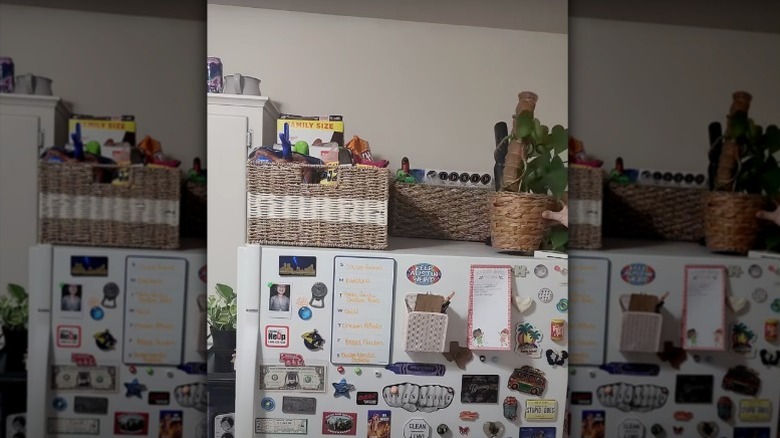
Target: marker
[(631, 369), (417, 369), (446, 303)]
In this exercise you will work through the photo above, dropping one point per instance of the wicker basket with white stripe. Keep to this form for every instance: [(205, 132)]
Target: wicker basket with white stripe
[(284, 210), (74, 209)]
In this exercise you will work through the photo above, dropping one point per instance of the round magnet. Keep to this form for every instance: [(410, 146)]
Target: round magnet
[(755, 271), (169, 374), (563, 305), (545, 295), (358, 371), (540, 271), (110, 292), (775, 306), (150, 371), (340, 369), (132, 369), (59, 404), (304, 313), (759, 295), (377, 374), (442, 429), (318, 292), (96, 313), (482, 358), (268, 404)]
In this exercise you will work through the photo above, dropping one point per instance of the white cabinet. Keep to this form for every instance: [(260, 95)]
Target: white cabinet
[(28, 124), (236, 125)]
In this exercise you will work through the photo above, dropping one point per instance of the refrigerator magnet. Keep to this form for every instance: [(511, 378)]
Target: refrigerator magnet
[(527, 340), (279, 301), (88, 266), (479, 389), (637, 274), (105, 340), (90, 405), (159, 398), (131, 423), (755, 271), (134, 388), (379, 424), (318, 293), (110, 292), (277, 336), (423, 274), (68, 336), (171, 424), (70, 300), (339, 423), (97, 313), (297, 266)]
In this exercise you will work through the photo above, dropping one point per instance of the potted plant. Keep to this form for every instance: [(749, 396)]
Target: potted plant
[(14, 313), (746, 176), (222, 318), (534, 180)]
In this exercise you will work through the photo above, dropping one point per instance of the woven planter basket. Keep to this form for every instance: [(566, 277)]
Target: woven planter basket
[(284, 210), (730, 221), (650, 212), (586, 192), (516, 222), (439, 212), (75, 210)]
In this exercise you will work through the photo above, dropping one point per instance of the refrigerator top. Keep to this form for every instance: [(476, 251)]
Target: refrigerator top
[(654, 248), (426, 247)]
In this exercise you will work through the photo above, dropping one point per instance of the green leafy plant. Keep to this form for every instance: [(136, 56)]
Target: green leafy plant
[(14, 309), (222, 309)]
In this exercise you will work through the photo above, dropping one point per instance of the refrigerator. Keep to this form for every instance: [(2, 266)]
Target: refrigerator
[(710, 366), (117, 342), (426, 337)]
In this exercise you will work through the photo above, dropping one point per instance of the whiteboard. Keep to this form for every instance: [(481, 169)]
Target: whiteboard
[(362, 310), (588, 294), (154, 310)]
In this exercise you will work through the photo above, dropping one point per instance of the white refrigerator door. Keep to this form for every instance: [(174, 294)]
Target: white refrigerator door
[(135, 313), (543, 281), (628, 400)]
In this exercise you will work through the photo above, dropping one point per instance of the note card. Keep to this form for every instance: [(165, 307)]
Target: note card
[(156, 290), (363, 289), (704, 308), (490, 311)]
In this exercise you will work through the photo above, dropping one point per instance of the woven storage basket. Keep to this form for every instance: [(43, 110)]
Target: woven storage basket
[(516, 222), (586, 192), (651, 212), (730, 221), (283, 210), (439, 212), (75, 210)]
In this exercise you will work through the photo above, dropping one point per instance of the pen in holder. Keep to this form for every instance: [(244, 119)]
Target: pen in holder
[(426, 330)]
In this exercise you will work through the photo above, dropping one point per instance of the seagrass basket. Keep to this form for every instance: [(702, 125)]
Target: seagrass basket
[(586, 192), (730, 223), (439, 212), (282, 209), (516, 222), (77, 208), (653, 212)]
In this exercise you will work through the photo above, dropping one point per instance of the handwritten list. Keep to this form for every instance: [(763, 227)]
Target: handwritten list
[(588, 292), (362, 310), (156, 290)]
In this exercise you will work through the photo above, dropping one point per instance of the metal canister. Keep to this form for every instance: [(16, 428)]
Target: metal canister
[(770, 330), (214, 82), (556, 329), (6, 75)]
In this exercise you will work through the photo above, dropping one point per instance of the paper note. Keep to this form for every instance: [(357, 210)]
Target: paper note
[(155, 294), (704, 307), (363, 289), (588, 292), (490, 313)]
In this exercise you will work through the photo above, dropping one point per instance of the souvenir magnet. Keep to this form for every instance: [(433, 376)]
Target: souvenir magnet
[(637, 274), (683, 415), (291, 359), (538, 432), (527, 379), (541, 410), (674, 355), (85, 360), (110, 292), (755, 410), (90, 405), (277, 377), (68, 336), (192, 395), (693, 389), (581, 398), (510, 408), (367, 398), (131, 423), (628, 397), (742, 339), (342, 388), (741, 380), (379, 424), (527, 340), (172, 421), (413, 397), (593, 423), (297, 266), (417, 428), (460, 355), (318, 293), (770, 330), (88, 266), (312, 340), (159, 398), (285, 426), (725, 408), (493, 429), (556, 329), (479, 389), (540, 271), (105, 340), (423, 274)]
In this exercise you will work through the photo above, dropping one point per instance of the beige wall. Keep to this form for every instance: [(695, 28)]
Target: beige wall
[(647, 92), (431, 92), (106, 64)]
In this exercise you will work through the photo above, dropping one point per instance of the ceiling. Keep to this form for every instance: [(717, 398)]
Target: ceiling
[(533, 15)]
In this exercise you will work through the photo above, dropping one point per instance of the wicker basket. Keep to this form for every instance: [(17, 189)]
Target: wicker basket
[(730, 221), (284, 210), (516, 222), (76, 210), (439, 212), (651, 212), (586, 191)]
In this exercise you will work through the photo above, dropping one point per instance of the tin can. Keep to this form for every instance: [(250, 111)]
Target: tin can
[(556, 329), (770, 330), (214, 82), (6, 75)]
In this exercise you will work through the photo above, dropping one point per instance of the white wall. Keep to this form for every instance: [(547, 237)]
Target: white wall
[(647, 92), (106, 64), (431, 92)]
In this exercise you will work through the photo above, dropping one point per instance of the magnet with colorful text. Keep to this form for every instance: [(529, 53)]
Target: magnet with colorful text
[(528, 380), (423, 274), (105, 340), (110, 292), (131, 423), (339, 423), (291, 359), (537, 432), (527, 340), (379, 424), (159, 398), (637, 274), (510, 408), (83, 359), (312, 340), (725, 408), (541, 410), (742, 340), (171, 424), (742, 380), (68, 336), (277, 336)]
